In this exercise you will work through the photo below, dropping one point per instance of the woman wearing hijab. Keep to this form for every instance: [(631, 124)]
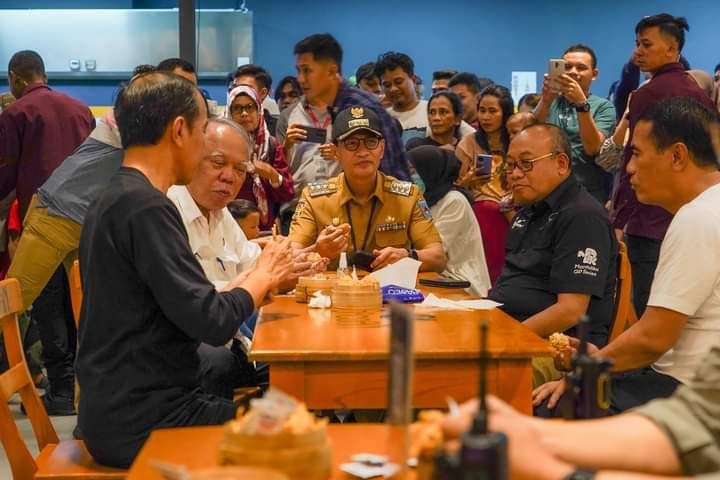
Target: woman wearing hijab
[(453, 216), (268, 183)]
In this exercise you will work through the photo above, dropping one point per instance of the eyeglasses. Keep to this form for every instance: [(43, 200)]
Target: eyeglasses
[(525, 165), (352, 144), (240, 109)]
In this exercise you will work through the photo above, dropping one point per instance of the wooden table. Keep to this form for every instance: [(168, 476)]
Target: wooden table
[(330, 360), (197, 447)]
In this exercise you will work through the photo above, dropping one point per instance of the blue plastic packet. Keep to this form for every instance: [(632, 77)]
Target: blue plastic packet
[(400, 294)]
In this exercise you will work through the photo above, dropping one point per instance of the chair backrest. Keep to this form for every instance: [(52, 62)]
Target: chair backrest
[(17, 379), (76, 293), (624, 309)]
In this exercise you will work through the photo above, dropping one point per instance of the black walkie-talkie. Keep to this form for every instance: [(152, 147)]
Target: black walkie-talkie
[(589, 382), (483, 455)]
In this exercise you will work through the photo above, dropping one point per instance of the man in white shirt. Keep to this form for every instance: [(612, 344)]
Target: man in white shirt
[(219, 244), (397, 74), (674, 166)]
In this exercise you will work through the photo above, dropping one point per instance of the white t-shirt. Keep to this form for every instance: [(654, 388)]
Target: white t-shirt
[(687, 281), (220, 244), (415, 122), (455, 221)]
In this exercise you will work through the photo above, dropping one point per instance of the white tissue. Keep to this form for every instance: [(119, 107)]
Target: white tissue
[(319, 300)]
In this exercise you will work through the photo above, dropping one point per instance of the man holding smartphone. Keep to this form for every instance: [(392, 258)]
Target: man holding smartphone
[(376, 218), (585, 118)]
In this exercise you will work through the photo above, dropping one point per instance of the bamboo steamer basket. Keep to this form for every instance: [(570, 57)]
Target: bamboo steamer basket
[(234, 473), (304, 456), (356, 297), (307, 286)]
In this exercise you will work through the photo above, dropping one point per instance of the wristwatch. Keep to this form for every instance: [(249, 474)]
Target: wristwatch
[(413, 254), (583, 107), (580, 474)]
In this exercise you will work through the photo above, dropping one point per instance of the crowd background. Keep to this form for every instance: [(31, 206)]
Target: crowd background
[(489, 38)]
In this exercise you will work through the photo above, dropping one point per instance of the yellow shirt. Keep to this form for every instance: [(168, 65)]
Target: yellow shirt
[(396, 211)]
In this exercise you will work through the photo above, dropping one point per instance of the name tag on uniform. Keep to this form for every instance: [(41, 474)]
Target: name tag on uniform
[(391, 227)]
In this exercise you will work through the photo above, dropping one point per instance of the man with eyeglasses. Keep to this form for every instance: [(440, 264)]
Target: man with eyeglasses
[(364, 210), (560, 252)]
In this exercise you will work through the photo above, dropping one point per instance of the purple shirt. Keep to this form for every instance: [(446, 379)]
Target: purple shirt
[(636, 218), (36, 134)]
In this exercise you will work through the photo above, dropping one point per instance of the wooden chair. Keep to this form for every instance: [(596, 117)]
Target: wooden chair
[(57, 460), (76, 293), (624, 310)]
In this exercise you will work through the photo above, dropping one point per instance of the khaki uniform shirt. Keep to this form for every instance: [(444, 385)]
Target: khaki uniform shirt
[(395, 216), (691, 418)]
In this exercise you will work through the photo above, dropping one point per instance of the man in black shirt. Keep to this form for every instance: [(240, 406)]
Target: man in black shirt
[(147, 304), (560, 252)]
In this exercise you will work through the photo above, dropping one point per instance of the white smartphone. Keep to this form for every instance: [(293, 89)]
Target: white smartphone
[(556, 67)]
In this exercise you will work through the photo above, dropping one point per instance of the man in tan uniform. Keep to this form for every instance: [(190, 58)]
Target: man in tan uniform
[(362, 209)]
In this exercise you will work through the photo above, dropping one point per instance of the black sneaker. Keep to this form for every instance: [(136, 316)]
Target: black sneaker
[(55, 406)]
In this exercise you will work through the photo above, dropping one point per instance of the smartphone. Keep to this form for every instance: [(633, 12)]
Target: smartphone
[(483, 165), (556, 67), (315, 135), (362, 260), (444, 282)]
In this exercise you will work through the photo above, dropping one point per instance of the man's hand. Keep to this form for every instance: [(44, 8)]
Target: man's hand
[(571, 89), (293, 135), (550, 90), (619, 234), (387, 256), (328, 151), (333, 240), (275, 261), (563, 358), (303, 267), (552, 390), (266, 171), (528, 457)]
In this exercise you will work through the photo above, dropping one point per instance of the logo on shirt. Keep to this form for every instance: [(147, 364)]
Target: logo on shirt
[(589, 256), (519, 223), (589, 263)]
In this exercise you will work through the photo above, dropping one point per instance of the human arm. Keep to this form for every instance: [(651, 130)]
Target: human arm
[(432, 257), (629, 81), (594, 126), (646, 341), (583, 261), (551, 449), (560, 316), (549, 94), (276, 175), (10, 146)]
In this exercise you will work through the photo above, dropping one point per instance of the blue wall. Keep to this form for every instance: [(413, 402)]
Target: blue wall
[(491, 38)]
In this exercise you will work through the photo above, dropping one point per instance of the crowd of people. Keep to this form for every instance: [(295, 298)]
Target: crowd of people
[(168, 207)]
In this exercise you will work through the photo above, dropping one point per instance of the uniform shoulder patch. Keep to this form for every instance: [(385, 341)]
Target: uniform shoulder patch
[(298, 209), (425, 209), (326, 187), (398, 187)]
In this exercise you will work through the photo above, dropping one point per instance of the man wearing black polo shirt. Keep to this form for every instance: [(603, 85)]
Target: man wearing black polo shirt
[(560, 252)]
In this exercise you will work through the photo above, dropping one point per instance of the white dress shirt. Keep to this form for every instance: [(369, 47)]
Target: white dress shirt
[(220, 244)]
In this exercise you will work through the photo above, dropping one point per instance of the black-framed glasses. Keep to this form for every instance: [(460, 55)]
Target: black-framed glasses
[(352, 144), (240, 109), (524, 165)]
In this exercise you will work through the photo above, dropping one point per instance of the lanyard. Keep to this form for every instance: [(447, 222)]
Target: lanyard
[(315, 120), (369, 224)]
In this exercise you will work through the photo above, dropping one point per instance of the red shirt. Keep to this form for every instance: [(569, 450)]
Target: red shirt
[(36, 134), (636, 218)]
